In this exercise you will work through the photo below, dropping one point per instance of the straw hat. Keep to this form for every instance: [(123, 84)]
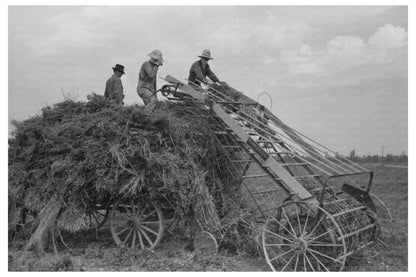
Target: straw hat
[(206, 54), (156, 54)]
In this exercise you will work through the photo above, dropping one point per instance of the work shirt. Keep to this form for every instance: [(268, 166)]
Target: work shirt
[(147, 76), (114, 89), (199, 73)]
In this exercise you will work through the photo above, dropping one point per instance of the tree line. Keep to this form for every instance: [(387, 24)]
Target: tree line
[(388, 158)]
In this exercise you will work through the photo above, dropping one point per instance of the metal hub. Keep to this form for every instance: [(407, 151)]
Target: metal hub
[(299, 246), (133, 223)]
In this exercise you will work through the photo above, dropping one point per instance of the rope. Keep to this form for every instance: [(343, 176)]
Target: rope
[(270, 97)]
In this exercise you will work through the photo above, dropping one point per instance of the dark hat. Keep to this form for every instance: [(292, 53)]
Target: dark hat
[(120, 68)]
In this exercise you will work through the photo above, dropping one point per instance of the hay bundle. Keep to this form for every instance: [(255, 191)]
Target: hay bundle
[(78, 154)]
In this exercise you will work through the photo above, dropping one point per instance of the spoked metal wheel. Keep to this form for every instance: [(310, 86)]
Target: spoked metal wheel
[(136, 223), (303, 237), (96, 218)]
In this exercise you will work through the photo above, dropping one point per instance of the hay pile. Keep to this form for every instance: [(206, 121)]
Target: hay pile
[(78, 154)]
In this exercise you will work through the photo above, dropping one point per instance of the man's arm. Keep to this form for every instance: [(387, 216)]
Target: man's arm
[(118, 90), (198, 74), (151, 70), (212, 76)]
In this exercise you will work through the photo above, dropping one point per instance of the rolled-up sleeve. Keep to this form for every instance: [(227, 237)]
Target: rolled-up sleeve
[(147, 77), (151, 70)]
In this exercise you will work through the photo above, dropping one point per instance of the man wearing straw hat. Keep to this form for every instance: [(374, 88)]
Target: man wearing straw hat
[(113, 86), (200, 70), (146, 87)]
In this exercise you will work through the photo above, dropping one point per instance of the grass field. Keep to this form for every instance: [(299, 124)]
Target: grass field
[(98, 253)]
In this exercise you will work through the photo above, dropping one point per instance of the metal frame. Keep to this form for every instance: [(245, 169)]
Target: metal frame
[(289, 165)]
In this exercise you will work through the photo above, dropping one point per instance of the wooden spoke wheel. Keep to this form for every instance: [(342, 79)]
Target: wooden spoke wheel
[(27, 219), (96, 218), (303, 237), (205, 243), (136, 223)]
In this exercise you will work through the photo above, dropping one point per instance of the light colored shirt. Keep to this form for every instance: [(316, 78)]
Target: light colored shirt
[(147, 76)]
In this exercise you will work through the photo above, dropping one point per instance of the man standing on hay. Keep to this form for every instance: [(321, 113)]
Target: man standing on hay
[(146, 87), (113, 86), (200, 71)]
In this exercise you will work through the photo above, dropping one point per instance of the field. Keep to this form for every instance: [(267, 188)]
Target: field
[(97, 252)]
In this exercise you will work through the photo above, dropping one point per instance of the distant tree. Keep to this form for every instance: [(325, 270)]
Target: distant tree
[(403, 158), (352, 155), (389, 158)]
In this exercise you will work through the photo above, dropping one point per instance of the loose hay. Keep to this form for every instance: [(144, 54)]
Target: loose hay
[(76, 155)]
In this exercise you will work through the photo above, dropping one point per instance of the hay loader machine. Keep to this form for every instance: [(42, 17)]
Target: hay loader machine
[(315, 207)]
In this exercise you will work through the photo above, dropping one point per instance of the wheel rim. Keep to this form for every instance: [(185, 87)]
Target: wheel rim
[(383, 213), (95, 218), (135, 223), (27, 219), (302, 237), (384, 217)]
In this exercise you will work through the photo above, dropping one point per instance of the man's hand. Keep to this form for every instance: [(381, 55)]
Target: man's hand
[(222, 83), (204, 86)]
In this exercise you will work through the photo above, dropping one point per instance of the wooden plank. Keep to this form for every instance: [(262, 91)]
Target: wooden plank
[(186, 88), (173, 80), (292, 184), (237, 129)]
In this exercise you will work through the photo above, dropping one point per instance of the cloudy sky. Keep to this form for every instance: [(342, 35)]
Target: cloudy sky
[(337, 74)]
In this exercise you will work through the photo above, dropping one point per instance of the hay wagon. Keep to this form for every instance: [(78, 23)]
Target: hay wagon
[(314, 206)]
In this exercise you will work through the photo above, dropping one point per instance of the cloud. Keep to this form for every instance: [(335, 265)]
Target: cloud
[(385, 46), (100, 27), (313, 60), (389, 37), (345, 43)]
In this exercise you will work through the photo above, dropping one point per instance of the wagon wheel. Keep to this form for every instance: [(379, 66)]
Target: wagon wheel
[(303, 237), (136, 223), (96, 218), (384, 216), (205, 242), (27, 219)]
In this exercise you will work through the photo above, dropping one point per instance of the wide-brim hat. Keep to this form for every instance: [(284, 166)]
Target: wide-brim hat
[(206, 54), (119, 68), (156, 54)]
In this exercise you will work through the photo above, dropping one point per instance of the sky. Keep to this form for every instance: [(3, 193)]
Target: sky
[(338, 74)]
